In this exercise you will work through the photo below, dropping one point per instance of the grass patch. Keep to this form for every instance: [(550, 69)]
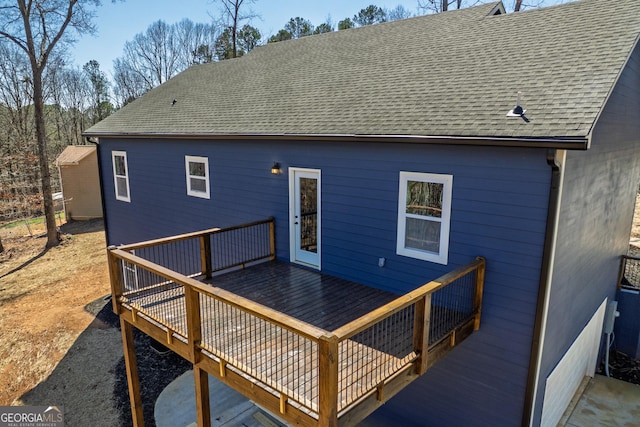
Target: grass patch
[(60, 217)]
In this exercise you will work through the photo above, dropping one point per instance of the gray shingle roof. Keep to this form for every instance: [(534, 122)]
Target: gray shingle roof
[(446, 75)]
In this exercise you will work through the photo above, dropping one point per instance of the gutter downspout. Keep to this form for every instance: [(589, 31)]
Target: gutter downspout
[(556, 159), (102, 199)]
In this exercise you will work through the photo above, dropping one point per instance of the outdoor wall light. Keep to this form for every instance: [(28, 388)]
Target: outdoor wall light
[(276, 169)]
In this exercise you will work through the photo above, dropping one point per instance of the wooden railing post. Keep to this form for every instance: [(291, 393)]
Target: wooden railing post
[(272, 238), (328, 381), (115, 278), (477, 303), (421, 329), (205, 255)]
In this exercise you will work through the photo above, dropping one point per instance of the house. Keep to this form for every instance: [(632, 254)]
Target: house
[(78, 170), (413, 147)]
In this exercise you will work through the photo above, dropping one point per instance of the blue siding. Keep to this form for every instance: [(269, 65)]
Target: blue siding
[(498, 211), (595, 220)]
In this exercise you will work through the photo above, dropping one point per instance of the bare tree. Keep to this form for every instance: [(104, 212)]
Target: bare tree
[(519, 5), (76, 101), (99, 90), (398, 13), (437, 6), (15, 96), (158, 54), (234, 13), (19, 172), (194, 42), (38, 27)]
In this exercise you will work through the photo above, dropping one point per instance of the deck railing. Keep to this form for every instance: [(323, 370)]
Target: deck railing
[(306, 374), (629, 276)]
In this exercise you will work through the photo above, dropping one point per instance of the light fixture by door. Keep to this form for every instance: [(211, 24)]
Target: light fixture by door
[(276, 169)]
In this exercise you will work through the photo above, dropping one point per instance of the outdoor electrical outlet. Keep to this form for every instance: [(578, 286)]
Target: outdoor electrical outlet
[(381, 262)]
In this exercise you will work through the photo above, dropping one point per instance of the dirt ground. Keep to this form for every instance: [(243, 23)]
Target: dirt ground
[(45, 330), (60, 342)]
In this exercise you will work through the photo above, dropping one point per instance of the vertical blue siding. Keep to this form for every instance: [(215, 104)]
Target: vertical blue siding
[(498, 211), (596, 215)]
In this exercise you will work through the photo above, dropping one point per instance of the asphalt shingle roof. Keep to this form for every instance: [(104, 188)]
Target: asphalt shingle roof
[(454, 74)]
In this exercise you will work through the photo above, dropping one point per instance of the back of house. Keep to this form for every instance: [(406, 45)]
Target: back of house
[(392, 154)]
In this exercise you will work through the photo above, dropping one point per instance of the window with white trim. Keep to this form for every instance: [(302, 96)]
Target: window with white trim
[(121, 175), (197, 169), (424, 211)]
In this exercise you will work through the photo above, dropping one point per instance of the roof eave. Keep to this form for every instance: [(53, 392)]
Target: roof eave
[(567, 143)]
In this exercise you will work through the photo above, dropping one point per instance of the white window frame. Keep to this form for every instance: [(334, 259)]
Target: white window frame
[(197, 159), (440, 257), (116, 176)]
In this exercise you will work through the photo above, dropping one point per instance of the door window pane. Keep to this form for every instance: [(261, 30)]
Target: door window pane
[(309, 214)]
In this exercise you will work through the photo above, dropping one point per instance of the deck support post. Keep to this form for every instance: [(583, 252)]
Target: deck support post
[(328, 381), (421, 328), (477, 304), (203, 409), (194, 334), (133, 380), (205, 255)]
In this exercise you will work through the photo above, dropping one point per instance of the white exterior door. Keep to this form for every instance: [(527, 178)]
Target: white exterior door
[(304, 216)]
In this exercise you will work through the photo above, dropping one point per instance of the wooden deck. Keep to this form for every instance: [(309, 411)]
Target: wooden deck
[(313, 349), (323, 301)]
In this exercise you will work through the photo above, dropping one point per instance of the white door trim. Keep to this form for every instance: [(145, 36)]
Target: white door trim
[(298, 255)]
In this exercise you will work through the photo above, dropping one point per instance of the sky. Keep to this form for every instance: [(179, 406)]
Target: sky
[(118, 22)]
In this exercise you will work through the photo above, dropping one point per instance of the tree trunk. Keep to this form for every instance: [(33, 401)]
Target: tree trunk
[(45, 176), (517, 6)]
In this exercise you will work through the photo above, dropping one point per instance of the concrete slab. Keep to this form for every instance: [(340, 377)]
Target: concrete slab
[(605, 402), (176, 406), (601, 401)]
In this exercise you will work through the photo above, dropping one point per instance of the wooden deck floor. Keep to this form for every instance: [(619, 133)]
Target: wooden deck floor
[(323, 301)]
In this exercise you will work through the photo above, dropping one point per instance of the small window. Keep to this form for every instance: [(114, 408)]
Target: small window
[(121, 175), (424, 208), (197, 169)]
